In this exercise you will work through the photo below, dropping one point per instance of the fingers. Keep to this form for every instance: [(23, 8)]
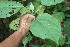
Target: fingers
[(30, 18), (26, 19)]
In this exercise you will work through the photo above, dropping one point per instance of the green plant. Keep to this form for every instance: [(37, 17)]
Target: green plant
[(9, 8), (47, 24)]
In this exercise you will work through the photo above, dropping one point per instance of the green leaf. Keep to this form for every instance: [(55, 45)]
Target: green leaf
[(34, 45), (65, 8), (46, 45), (31, 7), (68, 41), (8, 8), (25, 10), (55, 10), (62, 40), (49, 42), (50, 2), (3, 0), (26, 39), (38, 0), (23, 0), (22, 46), (67, 28), (67, 3), (41, 45), (67, 15), (46, 26), (62, 8), (39, 8), (59, 16), (14, 25)]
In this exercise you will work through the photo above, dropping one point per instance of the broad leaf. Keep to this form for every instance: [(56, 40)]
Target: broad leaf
[(62, 40), (46, 26), (50, 2), (14, 25), (8, 8), (39, 8), (59, 16), (25, 10)]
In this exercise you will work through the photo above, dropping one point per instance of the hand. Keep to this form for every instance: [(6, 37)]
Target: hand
[(19, 34), (25, 21)]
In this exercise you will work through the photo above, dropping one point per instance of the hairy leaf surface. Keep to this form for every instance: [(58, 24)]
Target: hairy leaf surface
[(46, 26)]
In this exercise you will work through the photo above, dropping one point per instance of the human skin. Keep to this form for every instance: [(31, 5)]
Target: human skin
[(15, 39)]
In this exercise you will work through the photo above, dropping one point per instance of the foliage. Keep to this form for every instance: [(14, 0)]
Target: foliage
[(8, 8), (63, 8), (50, 2), (26, 39), (50, 15), (25, 10), (67, 28), (59, 16), (34, 45), (62, 40), (14, 24), (40, 46), (39, 8), (3, 0), (68, 41), (43, 24), (46, 46)]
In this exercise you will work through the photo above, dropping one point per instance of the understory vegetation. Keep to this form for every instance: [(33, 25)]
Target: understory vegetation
[(51, 28)]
